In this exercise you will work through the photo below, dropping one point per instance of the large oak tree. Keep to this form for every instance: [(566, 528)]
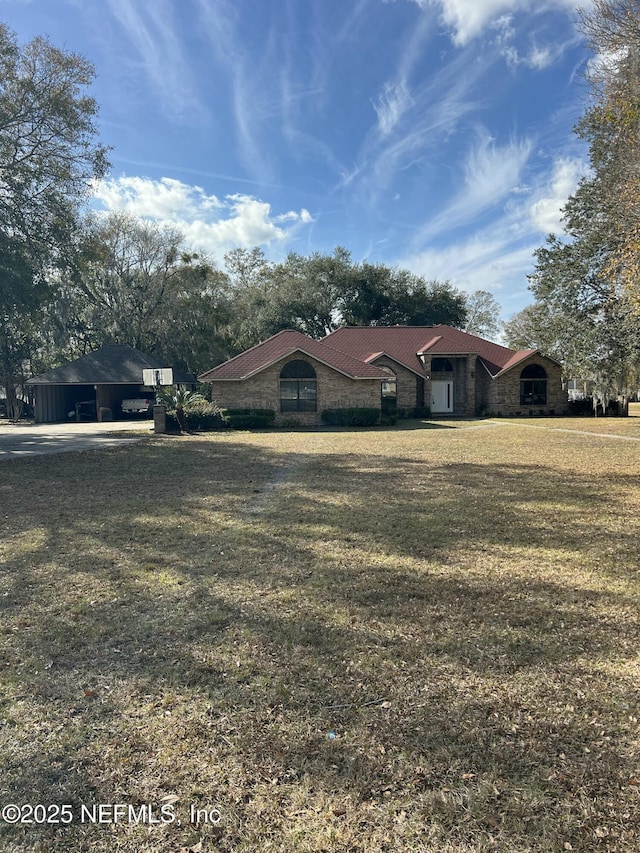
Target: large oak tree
[(49, 155)]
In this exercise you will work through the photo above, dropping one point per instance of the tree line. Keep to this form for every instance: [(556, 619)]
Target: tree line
[(135, 282)]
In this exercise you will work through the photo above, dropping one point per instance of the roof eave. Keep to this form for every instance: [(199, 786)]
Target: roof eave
[(372, 358), (525, 355), (275, 360)]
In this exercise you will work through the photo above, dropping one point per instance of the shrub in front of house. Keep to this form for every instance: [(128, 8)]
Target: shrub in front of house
[(585, 408), (203, 415), (200, 417), (389, 418), (250, 418), (421, 412), (360, 417), (411, 413), (581, 408)]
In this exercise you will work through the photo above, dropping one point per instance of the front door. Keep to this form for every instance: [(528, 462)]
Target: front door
[(441, 397)]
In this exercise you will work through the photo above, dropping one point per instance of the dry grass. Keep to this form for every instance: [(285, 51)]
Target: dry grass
[(388, 640)]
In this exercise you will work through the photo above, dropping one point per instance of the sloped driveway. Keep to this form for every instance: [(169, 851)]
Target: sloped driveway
[(24, 440)]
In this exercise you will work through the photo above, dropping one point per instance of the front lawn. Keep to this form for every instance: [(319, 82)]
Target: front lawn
[(383, 640)]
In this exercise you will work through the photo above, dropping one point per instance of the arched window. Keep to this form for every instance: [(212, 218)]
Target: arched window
[(298, 387), (389, 389), (533, 386)]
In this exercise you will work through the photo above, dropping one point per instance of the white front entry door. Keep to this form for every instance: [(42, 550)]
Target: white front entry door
[(441, 397)]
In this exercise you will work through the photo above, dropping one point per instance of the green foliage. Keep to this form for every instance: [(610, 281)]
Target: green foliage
[(483, 315), (587, 282), (421, 412), (48, 158), (612, 130), (316, 294), (356, 417), (376, 295), (134, 282), (389, 418), (203, 415), (249, 418), (414, 412), (177, 399), (197, 417), (174, 397), (581, 408), (587, 408)]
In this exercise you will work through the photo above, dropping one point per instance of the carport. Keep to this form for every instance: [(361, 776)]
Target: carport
[(100, 380)]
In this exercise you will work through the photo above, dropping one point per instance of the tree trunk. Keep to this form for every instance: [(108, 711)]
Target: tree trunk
[(7, 377)]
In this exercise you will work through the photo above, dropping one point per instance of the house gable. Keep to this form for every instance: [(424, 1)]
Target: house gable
[(263, 389), (283, 345)]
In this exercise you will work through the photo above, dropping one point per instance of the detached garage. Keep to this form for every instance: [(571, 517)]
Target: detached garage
[(95, 385)]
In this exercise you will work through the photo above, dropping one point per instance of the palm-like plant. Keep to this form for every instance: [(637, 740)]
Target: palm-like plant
[(175, 399)]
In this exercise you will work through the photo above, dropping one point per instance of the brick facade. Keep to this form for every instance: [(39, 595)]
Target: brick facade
[(504, 391), (409, 386), (478, 386), (262, 391), (463, 376)]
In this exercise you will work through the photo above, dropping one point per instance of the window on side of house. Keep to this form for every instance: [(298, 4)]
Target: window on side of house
[(389, 394), (533, 386), (298, 387)]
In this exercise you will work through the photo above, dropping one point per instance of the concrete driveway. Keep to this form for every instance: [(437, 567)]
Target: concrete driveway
[(18, 441)]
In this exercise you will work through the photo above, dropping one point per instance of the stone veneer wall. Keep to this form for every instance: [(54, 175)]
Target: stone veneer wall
[(262, 391)]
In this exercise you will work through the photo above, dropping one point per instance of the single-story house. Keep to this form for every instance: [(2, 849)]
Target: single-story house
[(439, 367), (95, 384)]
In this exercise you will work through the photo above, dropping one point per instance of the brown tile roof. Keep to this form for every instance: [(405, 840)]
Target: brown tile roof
[(403, 343), (517, 358), (286, 343)]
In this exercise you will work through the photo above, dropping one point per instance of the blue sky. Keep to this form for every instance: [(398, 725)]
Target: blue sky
[(430, 134)]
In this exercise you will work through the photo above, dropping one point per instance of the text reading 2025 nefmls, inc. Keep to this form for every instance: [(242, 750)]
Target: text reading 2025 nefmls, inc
[(107, 813)]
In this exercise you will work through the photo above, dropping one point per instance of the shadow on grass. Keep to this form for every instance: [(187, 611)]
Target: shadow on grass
[(196, 618)]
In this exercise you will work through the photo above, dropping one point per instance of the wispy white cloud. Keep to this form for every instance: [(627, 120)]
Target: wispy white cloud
[(492, 171), (540, 57), (208, 223), (153, 33), (546, 209), (438, 105), (537, 57), (499, 256), (393, 102), (467, 19), (491, 174), (487, 261), (262, 82)]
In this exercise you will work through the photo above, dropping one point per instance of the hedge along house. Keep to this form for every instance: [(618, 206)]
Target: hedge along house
[(396, 367), (101, 380), (297, 377)]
